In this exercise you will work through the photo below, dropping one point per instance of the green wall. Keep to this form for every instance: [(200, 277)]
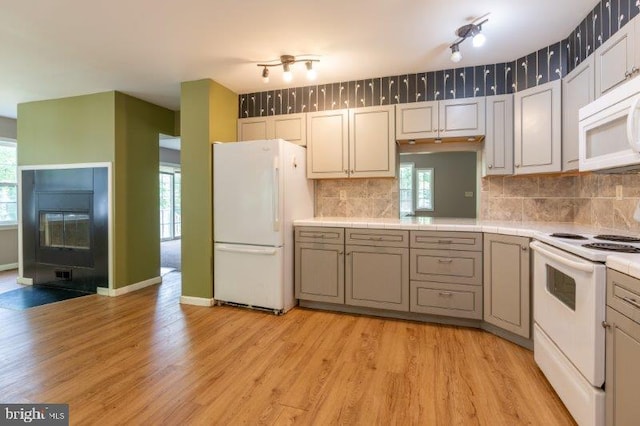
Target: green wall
[(208, 113), (66, 131), (107, 127), (137, 195)]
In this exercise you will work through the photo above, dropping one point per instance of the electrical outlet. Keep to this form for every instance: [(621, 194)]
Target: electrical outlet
[(468, 194), (343, 195), (618, 192)]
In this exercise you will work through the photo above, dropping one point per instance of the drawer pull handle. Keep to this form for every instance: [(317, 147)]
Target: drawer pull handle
[(445, 294), (634, 302), (445, 260), (376, 238), (445, 241)]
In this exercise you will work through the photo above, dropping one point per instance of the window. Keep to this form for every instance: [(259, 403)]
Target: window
[(8, 182), (406, 189), (170, 214), (416, 189), (424, 189)]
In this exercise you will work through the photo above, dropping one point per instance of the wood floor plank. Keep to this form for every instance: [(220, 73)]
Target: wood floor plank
[(143, 358)]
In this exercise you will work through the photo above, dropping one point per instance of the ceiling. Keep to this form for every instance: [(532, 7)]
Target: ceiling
[(145, 48)]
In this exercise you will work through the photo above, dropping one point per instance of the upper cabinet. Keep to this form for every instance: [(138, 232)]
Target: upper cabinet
[(578, 89), (439, 119), (290, 127), (538, 130), (498, 145), (351, 143), (618, 59)]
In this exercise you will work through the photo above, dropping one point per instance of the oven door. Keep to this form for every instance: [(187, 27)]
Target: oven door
[(569, 307)]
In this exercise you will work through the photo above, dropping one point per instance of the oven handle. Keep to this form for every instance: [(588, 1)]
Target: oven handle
[(581, 266)]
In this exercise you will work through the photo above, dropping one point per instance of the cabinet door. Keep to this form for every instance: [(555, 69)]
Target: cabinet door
[(622, 371), (377, 277), (417, 120), (372, 146), (498, 145), (461, 117), (328, 144), (319, 272), (578, 89), (538, 135), (290, 127), (251, 129), (506, 283), (614, 60)]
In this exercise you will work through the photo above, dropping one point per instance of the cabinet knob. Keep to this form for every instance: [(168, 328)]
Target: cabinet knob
[(340, 252), (491, 166), (627, 74), (517, 165), (634, 70), (352, 171), (605, 324), (346, 171)]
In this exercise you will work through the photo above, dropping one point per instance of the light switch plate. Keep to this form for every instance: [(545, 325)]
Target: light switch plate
[(468, 194), (618, 192), (343, 195)]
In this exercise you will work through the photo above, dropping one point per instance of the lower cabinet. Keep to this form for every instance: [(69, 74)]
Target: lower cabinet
[(622, 376), (377, 269), (622, 372), (319, 272), (507, 283), (377, 277), (319, 264)]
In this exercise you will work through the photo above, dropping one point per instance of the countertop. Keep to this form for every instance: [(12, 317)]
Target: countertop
[(626, 263)]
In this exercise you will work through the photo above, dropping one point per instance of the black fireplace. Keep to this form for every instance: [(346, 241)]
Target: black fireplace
[(65, 227)]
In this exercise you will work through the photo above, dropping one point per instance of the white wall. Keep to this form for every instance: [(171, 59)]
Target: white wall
[(8, 234)]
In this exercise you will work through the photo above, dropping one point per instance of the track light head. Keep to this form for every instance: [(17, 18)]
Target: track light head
[(265, 74), (456, 56), (311, 73)]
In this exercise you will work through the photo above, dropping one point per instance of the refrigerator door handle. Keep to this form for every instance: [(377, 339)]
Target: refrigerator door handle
[(253, 250), (276, 195)]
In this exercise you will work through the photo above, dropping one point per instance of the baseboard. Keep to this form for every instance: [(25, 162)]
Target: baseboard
[(196, 301), (128, 289), (8, 266), (24, 280)]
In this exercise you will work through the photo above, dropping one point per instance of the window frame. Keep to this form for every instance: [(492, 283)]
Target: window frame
[(412, 194), (12, 143), (416, 189)]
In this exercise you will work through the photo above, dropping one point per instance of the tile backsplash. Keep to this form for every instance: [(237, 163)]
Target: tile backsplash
[(588, 199), (357, 197)]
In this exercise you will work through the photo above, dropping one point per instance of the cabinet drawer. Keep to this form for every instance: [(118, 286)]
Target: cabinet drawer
[(377, 237), (470, 241), (311, 234), (462, 301), (623, 294), (446, 266)]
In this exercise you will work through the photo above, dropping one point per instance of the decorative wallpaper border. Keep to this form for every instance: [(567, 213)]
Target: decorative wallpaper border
[(548, 64)]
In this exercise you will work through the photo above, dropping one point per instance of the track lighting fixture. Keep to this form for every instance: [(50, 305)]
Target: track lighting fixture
[(286, 61), (470, 30)]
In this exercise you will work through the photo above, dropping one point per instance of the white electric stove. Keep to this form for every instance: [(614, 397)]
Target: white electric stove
[(569, 293)]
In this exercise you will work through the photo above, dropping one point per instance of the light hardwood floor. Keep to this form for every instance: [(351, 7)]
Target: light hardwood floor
[(142, 358)]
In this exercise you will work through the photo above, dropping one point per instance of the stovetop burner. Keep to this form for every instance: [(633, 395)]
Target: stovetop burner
[(623, 248), (568, 236), (618, 238)]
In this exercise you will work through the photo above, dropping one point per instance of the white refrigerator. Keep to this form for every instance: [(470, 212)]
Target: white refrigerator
[(259, 189)]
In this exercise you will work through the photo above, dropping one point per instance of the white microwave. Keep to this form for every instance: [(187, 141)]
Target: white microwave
[(609, 130)]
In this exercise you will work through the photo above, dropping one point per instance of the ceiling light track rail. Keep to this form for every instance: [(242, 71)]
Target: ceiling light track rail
[(285, 62)]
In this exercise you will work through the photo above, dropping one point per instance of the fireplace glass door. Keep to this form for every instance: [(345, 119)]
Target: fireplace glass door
[(65, 230)]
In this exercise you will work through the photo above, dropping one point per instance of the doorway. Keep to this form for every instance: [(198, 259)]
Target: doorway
[(170, 204)]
